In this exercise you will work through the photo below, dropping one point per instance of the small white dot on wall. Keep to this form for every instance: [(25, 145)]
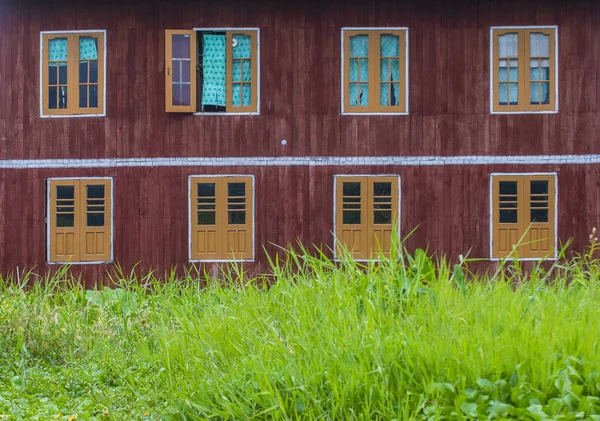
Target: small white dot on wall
[(284, 142)]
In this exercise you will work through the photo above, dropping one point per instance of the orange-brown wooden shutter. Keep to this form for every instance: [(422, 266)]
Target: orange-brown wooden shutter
[(506, 215), (95, 220), (538, 217), (180, 71), (382, 214), (205, 216), (352, 216), (238, 218), (64, 222)]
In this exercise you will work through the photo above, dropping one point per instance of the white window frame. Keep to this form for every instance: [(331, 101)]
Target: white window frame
[(407, 87), (257, 112), (189, 189), (398, 221), (493, 69), (86, 31), (491, 214), (112, 220)]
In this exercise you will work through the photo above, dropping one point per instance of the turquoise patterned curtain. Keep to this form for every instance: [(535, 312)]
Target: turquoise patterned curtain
[(88, 49), (241, 55), (58, 50), (213, 63)]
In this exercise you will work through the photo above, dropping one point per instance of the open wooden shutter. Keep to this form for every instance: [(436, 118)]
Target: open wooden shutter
[(238, 218), (507, 215), (538, 217), (382, 214), (64, 221), (180, 71), (204, 196), (95, 221), (352, 215)]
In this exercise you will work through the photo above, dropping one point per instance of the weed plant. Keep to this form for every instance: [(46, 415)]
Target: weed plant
[(407, 338)]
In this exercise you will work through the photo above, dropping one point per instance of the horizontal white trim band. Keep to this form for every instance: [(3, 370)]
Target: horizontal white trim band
[(280, 161)]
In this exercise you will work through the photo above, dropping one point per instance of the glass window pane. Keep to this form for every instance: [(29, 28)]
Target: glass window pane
[(93, 72), (508, 216), (351, 217), (364, 70), (545, 93), (359, 46), (206, 218), (382, 217), (539, 45), (88, 48), (246, 71), (95, 219), (206, 190), (545, 73), (83, 98), (502, 74), (235, 95), (382, 189), (52, 97), (185, 95), (236, 71), (508, 45), (354, 70), (176, 70), (514, 74), (58, 49), (83, 72), (62, 74), (65, 220), (93, 96), (508, 187), (62, 97), (353, 94), (538, 187), (384, 94), (351, 189), (246, 95), (95, 192), (395, 94), (236, 189), (52, 75), (539, 215), (514, 94), (384, 70), (534, 72), (364, 95), (390, 46), (181, 46), (503, 94), (242, 46), (237, 218), (534, 90), (185, 71), (65, 192)]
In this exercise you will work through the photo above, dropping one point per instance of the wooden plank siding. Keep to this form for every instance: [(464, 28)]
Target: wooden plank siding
[(300, 101), (448, 206)]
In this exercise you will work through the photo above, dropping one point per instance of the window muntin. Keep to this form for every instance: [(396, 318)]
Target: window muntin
[(72, 68), (524, 69), (523, 213), (80, 222), (366, 213), (375, 71), (212, 71), (221, 218)]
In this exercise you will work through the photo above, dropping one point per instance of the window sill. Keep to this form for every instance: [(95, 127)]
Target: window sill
[(222, 261), (108, 262), (376, 113), (228, 114), (72, 115), (525, 112)]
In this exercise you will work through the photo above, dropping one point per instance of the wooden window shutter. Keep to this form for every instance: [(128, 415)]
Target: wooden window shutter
[(238, 218), (95, 220), (204, 196), (538, 217), (352, 215), (180, 71), (507, 215), (64, 223), (382, 214)]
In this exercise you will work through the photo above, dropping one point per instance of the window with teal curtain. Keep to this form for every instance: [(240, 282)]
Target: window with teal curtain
[(213, 70), (390, 70), (241, 88), (359, 70)]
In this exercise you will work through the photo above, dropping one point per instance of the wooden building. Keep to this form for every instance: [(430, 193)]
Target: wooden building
[(179, 132)]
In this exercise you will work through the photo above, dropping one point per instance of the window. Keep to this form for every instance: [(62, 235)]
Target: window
[(523, 212), (366, 212), (221, 215), (524, 69), (212, 71), (72, 69), (374, 71), (80, 223)]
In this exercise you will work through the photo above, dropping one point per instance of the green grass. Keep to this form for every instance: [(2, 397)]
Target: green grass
[(406, 339)]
